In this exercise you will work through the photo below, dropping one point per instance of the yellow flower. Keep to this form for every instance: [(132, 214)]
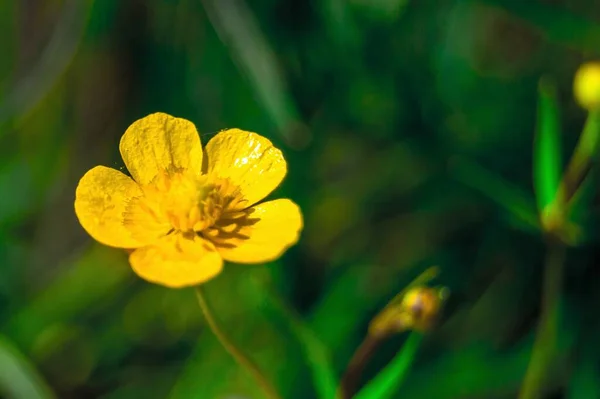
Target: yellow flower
[(184, 209), (586, 86)]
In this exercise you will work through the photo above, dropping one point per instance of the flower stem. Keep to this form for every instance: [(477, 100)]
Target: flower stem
[(545, 340), (240, 357), (584, 153), (553, 221), (360, 358)]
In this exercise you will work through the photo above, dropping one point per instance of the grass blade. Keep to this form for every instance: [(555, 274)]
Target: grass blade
[(18, 378)]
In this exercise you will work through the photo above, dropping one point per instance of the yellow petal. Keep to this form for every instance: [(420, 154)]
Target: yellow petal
[(159, 143), (145, 221), (101, 200), (248, 160), (262, 236), (176, 261)]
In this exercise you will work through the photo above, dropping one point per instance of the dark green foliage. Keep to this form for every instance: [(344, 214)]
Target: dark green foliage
[(408, 127)]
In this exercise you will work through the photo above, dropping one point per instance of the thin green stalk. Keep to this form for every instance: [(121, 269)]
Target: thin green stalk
[(387, 383), (379, 330), (584, 153), (554, 217), (553, 222), (545, 340), (240, 357)]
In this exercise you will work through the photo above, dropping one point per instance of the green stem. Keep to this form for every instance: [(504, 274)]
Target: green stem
[(584, 153), (545, 340), (240, 357), (553, 218), (387, 383)]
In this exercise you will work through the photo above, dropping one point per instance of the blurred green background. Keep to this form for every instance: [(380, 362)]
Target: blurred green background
[(408, 128)]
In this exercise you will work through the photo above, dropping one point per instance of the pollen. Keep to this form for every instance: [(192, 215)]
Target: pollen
[(184, 202)]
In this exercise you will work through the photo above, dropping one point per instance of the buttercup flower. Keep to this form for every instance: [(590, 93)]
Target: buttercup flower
[(184, 209)]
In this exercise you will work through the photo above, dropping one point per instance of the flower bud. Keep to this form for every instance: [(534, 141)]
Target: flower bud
[(417, 311), (586, 86), (422, 304)]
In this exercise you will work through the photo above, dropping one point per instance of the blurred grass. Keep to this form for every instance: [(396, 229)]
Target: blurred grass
[(394, 116), (18, 378)]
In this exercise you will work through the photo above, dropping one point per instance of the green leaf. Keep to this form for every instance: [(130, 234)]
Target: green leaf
[(387, 382), (18, 378), (547, 162)]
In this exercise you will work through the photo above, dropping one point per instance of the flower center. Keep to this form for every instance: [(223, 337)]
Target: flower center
[(183, 202)]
